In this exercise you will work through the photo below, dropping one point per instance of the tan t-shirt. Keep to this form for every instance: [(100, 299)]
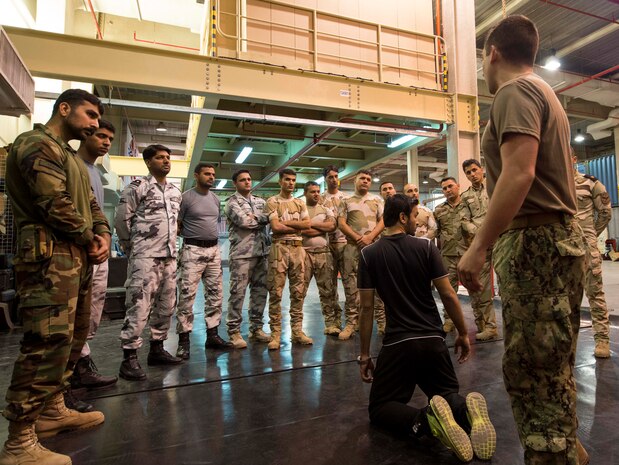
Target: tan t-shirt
[(528, 105)]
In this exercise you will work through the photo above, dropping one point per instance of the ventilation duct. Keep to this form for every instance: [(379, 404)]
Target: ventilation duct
[(604, 128)]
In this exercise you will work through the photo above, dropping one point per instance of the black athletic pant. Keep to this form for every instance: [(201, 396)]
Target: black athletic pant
[(400, 368)]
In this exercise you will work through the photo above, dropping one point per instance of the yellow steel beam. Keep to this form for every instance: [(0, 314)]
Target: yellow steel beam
[(68, 57), (134, 166)]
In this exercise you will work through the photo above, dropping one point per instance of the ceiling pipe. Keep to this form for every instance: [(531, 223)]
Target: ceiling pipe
[(407, 127), (94, 17), (317, 139), (590, 78), (576, 10)]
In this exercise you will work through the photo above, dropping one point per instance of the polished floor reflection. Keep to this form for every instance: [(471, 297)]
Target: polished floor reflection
[(301, 405)]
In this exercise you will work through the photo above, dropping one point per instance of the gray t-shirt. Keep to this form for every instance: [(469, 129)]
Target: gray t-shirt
[(95, 182), (199, 215)]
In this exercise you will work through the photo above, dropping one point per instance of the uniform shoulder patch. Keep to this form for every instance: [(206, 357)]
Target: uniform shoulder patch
[(590, 176), (136, 182), (605, 198)]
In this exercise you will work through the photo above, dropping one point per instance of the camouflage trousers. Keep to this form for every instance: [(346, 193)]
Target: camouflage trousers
[(55, 305), (199, 263), (319, 265), (151, 297), (286, 260), (594, 288), (337, 255), (481, 302), (99, 288), (541, 271), (349, 280), (245, 272)]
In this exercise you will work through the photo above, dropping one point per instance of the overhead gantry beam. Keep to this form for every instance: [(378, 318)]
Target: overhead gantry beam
[(69, 57)]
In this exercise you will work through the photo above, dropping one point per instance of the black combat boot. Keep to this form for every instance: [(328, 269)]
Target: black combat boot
[(183, 346), (214, 341), (74, 403), (159, 356), (130, 368), (85, 375)]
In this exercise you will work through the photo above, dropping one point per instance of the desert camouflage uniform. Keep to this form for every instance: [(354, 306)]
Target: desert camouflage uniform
[(426, 224), (337, 243), (449, 220), (146, 225), (541, 273), (476, 200), (319, 263), (248, 259), (286, 258), (56, 216), (199, 263), (362, 214), (594, 214)]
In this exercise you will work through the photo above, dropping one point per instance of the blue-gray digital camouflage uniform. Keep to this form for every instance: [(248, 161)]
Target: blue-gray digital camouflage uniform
[(56, 217), (248, 259), (146, 225)]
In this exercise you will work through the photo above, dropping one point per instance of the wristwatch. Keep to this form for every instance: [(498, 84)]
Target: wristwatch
[(360, 360)]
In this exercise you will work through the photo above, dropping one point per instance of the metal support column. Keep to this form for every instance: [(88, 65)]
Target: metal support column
[(459, 34), (412, 166)]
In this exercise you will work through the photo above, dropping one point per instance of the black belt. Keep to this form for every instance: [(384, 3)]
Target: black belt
[(200, 242)]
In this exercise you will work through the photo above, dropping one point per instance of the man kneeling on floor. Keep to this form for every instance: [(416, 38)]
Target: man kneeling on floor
[(402, 268)]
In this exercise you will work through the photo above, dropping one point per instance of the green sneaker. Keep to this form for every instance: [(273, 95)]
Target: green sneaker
[(483, 435), (445, 429)]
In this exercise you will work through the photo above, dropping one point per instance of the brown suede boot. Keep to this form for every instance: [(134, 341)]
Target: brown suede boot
[(57, 418), (299, 337), (23, 448), (275, 340)]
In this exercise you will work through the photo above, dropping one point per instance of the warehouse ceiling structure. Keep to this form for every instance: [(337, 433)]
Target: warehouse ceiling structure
[(303, 87)]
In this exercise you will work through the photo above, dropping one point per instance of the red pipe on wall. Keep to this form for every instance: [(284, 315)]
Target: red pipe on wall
[(162, 43), (590, 78), (94, 17)]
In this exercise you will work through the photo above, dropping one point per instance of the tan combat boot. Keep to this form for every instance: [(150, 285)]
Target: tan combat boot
[(348, 331), (259, 335), (332, 330), (583, 456), (237, 340), (23, 448), (275, 340), (57, 418), (487, 334), (299, 337), (602, 349)]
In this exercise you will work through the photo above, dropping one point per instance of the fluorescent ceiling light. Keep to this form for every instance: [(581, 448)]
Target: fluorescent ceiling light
[(161, 127), (401, 140), (221, 184), (425, 180), (376, 179), (320, 180), (243, 155), (579, 137), (552, 62)]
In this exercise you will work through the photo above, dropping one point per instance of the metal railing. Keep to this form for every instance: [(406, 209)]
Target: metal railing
[(242, 21)]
